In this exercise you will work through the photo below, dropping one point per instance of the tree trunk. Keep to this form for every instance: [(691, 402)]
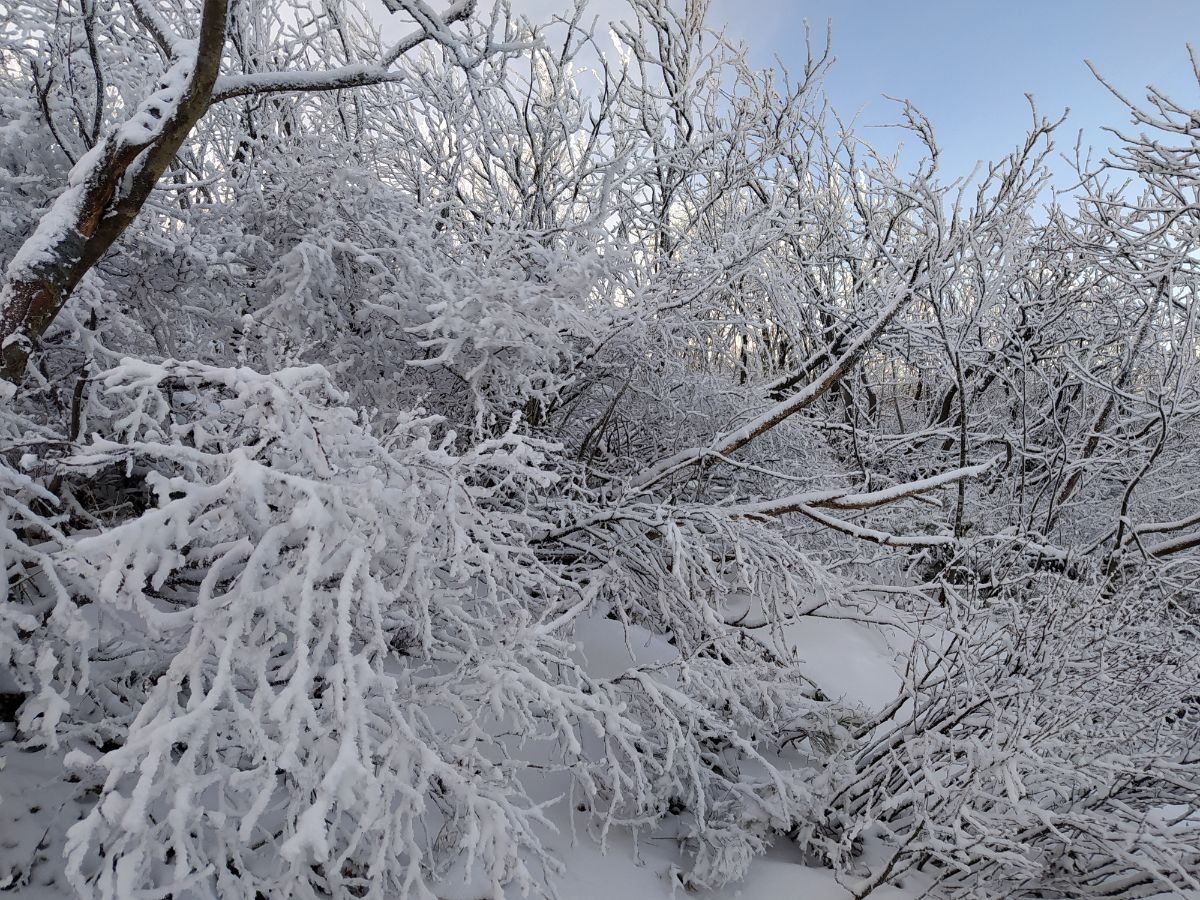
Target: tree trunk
[(108, 188)]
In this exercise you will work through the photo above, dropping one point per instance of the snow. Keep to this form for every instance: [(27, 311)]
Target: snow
[(648, 872), (852, 661), (607, 648), (54, 230), (85, 164), (37, 805)]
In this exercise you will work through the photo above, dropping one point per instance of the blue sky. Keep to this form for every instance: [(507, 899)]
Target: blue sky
[(968, 64)]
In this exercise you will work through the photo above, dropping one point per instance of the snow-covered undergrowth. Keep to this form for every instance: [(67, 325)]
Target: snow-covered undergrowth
[(345, 648)]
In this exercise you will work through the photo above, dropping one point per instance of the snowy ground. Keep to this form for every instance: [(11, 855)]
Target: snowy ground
[(38, 804)]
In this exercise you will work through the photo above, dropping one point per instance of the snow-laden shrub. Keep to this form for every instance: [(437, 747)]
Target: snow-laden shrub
[(354, 649), (288, 567), (1048, 748)]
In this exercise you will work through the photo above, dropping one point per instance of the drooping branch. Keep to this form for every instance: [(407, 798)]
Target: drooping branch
[(845, 500), (873, 535), (731, 441)]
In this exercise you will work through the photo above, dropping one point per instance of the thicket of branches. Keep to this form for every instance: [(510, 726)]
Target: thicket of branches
[(352, 389)]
